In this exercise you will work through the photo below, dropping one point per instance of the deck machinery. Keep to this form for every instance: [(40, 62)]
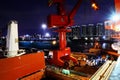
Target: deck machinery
[(61, 21)]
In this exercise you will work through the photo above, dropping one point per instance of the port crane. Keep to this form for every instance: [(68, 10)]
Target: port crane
[(61, 20), (30, 66)]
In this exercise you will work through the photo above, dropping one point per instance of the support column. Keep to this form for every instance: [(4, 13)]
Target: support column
[(62, 40)]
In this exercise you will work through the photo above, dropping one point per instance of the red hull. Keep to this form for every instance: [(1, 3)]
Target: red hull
[(18, 67)]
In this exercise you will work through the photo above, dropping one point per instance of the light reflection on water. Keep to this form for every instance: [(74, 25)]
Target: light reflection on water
[(49, 45), (103, 45), (37, 44)]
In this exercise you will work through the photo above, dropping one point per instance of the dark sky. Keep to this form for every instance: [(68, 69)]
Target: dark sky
[(30, 14)]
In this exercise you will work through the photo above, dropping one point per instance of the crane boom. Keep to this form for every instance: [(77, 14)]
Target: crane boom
[(61, 21)]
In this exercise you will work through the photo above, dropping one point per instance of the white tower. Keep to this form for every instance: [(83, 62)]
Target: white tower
[(12, 39)]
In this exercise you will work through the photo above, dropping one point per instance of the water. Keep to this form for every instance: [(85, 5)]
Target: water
[(76, 46), (38, 44)]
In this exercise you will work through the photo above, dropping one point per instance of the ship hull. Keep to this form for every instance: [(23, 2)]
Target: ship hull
[(22, 66)]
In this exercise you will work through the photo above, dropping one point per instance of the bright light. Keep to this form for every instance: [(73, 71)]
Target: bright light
[(51, 53), (117, 28), (104, 45), (47, 35), (91, 38), (86, 38), (94, 6), (115, 17), (104, 37), (54, 42), (27, 35), (54, 26), (66, 54), (44, 26)]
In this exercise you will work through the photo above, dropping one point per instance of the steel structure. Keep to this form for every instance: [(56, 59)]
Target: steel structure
[(61, 21)]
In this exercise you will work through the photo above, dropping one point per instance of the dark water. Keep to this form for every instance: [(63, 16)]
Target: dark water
[(75, 46), (38, 44)]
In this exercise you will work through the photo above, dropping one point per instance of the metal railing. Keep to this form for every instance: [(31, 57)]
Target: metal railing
[(104, 71)]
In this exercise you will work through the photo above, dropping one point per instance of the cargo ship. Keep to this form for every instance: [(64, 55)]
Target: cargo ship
[(15, 64)]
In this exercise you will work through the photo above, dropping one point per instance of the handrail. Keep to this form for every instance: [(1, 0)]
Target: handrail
[(104, 71)]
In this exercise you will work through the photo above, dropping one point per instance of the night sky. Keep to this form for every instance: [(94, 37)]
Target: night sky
[(30, 14)]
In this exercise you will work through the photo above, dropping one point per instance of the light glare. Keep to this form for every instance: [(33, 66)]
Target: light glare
[(44, 26), (94, 6), (115, 17), (47, 35), (54, 42)]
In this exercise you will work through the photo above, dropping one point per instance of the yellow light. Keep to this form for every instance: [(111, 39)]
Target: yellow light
[(54, 42), (94, 6)]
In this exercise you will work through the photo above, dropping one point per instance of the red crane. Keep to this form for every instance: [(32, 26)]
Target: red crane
[(62, 20)]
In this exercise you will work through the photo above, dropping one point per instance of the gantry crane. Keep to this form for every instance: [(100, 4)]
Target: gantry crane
[(61, 21)]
